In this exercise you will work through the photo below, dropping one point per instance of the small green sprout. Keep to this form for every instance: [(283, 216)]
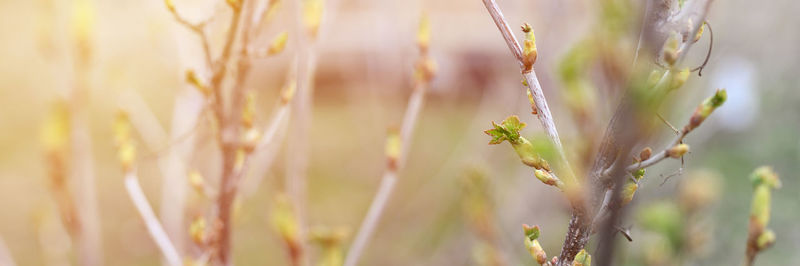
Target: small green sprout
[(532, 244), (508, 130)]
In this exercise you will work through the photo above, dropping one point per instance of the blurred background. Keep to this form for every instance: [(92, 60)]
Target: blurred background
[(365, 56)]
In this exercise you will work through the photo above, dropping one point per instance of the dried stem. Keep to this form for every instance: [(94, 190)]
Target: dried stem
[(151, 221)]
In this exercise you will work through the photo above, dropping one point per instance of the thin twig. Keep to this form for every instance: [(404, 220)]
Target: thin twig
[(149, 217), (396, 160), (389, 177)]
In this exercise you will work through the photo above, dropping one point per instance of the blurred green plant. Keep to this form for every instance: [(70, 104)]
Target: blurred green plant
[(759, 237)]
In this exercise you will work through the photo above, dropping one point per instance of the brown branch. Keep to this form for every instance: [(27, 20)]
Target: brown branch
[(692, 15), (230, 126), (580, 221)]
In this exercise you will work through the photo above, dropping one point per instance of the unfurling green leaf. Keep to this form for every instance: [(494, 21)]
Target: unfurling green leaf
[(531, 232), (507, 130), (582, 259)]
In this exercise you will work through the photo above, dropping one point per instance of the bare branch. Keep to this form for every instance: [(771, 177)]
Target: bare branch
[(397, 146), (505, 29)]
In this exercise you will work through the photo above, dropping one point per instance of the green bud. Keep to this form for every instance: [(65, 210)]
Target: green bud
[(760, 210), (628, 191), (717, 99), (582, 259), (765, 175), (699, 33), (537, 252), (766, 239), (529, 52), (678, 150), (670, 51), (639, 174), (679, 78), (654, 78), (704, 109), (548, 179), (527, 153), (532, 245)]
